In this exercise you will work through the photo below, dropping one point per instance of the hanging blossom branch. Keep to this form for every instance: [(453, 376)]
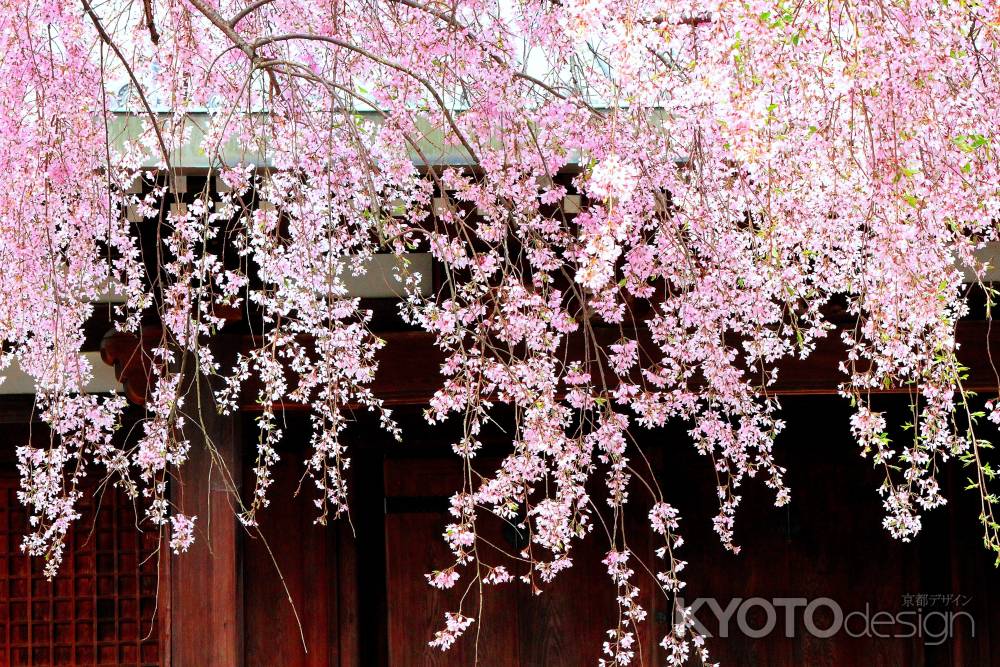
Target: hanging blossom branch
[(742, 165)]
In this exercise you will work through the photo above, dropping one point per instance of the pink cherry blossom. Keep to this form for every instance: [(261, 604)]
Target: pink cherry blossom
[(638, 210)]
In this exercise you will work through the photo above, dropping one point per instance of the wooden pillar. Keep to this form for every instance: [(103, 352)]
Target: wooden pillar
[(206, 605)]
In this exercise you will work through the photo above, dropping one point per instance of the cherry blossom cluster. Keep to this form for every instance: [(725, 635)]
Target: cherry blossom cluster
[(639, 209)]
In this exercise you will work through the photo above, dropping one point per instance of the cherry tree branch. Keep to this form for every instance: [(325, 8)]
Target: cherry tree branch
[(249, 9), (147, 8), (380, 60), (106, 38)]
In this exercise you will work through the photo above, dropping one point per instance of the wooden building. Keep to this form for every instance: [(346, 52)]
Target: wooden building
[(354, 593)]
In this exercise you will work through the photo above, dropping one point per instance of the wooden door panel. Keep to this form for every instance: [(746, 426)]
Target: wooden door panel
[(414, 547), (293, 557), (565, 626)]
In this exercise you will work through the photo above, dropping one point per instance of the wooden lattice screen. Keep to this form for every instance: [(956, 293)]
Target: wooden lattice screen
[(99, 610)]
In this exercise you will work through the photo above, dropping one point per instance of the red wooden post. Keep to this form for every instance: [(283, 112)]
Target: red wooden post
[(206, 606)]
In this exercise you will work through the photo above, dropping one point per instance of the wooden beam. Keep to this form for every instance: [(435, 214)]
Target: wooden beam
[(409, 364)]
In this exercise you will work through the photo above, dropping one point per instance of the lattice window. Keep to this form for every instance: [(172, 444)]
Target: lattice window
[(99, 610)]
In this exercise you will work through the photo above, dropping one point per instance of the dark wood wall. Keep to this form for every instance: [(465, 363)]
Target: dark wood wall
[(361, 599), (828, 542)]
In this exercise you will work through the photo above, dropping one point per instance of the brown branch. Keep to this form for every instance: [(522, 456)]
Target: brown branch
[(249, 9), (106, 38), (380, 60), (225, 26), (229, 31), (147, 8), (454, 23)]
